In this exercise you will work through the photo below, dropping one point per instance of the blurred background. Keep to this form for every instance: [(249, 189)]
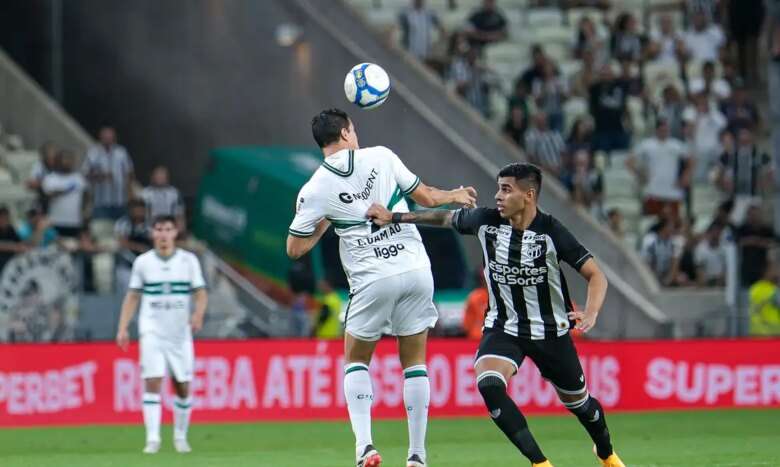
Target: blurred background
[(655, 123)]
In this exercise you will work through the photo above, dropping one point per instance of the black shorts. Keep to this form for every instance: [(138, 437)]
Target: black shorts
[(556, 358)]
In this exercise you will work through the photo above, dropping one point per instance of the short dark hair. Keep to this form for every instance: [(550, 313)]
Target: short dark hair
[(4, 211), (136, 203), (162, 219), (524, 172), (326, 126)]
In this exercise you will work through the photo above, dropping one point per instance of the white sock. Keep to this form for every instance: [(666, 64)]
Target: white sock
[(417, 395), (152, 416), (359, 396), (182, 408)]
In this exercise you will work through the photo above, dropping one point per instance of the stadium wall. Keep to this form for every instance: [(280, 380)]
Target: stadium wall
[(302, 380)]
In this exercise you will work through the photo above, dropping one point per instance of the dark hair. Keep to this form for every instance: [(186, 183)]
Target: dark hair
[(327, 125), (162, 219), (136, 203), (524, 172), (4, 211)]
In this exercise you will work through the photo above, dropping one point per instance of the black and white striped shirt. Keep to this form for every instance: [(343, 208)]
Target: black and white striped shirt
[(114, 161), (545, 147), (161, 201), (527, 289)]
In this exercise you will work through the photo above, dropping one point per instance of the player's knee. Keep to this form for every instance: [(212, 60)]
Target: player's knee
[(578, 405), (492, 386)]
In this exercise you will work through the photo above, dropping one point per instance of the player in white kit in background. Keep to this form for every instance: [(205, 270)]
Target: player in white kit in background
[(165, 281), (389, 273)]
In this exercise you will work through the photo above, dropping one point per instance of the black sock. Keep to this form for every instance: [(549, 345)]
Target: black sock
[(592, 417), (508, 418)]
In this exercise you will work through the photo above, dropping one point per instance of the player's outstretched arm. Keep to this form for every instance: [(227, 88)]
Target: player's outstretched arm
[(299, 246), (129, 307), (381, 216), (597, 292), (431, 197)]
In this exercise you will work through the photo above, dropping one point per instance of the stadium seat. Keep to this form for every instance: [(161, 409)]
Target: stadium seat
[(539, 18), (102, 229), (20, 163), (5, 176)]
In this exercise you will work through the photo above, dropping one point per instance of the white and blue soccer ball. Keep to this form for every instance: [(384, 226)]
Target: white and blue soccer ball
[(367, 85)]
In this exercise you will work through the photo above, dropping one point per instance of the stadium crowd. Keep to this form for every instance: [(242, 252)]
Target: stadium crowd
[(94, 209), (697, 120)]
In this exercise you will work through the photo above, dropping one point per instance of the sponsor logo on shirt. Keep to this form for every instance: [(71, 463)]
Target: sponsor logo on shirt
[(364, 194), (517, 275)]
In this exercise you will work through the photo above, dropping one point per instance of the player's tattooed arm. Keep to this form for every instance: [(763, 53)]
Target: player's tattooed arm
[(381, 216)]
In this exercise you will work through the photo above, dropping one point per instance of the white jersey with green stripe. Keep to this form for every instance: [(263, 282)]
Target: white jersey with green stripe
[(341, 191), (166, 286)]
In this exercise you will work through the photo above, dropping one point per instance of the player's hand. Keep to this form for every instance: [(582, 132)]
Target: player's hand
[(585, 320), (379, 215), (466, 196), (196, 322), (123, 339)]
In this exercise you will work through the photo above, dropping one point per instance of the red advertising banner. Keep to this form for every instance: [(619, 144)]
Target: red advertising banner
[(273, 380)]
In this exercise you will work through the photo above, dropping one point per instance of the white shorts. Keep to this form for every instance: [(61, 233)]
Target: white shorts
[(158, 354), (400, 305)]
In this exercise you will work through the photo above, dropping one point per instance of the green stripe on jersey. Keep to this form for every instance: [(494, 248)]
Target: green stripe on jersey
[(413, 187), (396, 198)]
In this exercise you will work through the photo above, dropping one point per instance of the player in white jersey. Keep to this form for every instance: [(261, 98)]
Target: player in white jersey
[(165, 281), (391, 287)]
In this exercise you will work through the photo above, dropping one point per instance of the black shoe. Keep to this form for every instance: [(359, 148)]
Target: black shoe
[(370, 458)]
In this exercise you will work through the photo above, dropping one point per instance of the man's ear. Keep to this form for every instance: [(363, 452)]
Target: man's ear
[(344, 133)]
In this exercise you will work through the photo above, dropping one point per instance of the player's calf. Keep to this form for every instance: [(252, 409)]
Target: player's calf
[(505, 414), (591, 415)]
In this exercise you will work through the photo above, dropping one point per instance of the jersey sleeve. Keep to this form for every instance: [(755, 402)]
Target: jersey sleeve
[(406, 180), (468, 220), (569, 249), (197, 280), (308, 213), (136, 276)]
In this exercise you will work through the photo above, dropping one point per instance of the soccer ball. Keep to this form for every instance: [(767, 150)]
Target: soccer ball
[(367, 85)]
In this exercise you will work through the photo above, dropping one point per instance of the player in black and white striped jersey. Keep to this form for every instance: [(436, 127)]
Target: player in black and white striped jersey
[(530, 312)]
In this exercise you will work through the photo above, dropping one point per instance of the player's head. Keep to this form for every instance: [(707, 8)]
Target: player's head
[(333, 127), (518, 187), (164, 232)]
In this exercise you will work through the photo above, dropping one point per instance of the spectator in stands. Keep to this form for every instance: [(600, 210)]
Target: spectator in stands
[(589, 39), (534, 72), (585, 76), (607, 103), (161, 198), (708, 83), (704, 39), (517, 115), (109, 170), (471, 81), (707, 123), (744, 173), (580, 136), (66, 190), (476, 305), (586, 184), (745, 22), (550, 93), (755, 237), (43, 167), (300, 279), (710, 258), (740, 110), (545, 146), (615, 223), (671, 109), (134, 237), (626, 40), (665, 41), (487, 25), (710, 9), (662, 253), (10, 243), (662, 166), (417, 26), (765, 304), (37, 231)]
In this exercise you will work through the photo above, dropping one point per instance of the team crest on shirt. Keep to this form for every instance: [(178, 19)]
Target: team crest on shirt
[(530, 252)]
